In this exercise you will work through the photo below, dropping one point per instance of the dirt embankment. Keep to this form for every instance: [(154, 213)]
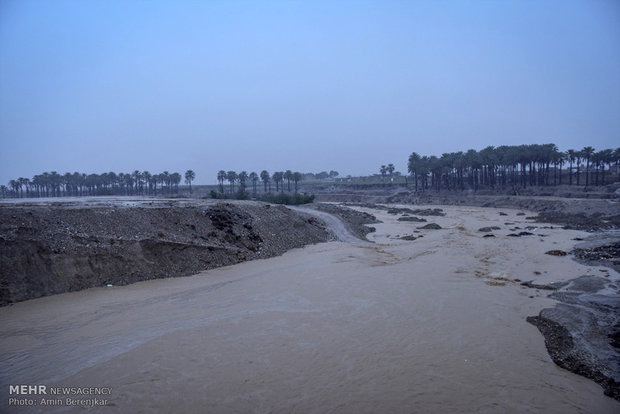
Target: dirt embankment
[(46, 250), (354, 221)]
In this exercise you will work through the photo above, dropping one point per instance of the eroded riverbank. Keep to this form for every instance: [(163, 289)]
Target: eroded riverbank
[(55, 247)]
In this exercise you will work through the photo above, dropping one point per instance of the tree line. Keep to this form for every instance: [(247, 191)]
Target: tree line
[(511, 166), (243, 179), (53, 184)]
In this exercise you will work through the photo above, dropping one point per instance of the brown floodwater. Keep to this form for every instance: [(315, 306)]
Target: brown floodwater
[(431, 325)]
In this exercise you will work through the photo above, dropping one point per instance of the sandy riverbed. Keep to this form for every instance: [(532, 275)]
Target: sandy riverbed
[(431, 325)]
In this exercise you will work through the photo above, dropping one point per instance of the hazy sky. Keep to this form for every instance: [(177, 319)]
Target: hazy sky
[(96, 86)]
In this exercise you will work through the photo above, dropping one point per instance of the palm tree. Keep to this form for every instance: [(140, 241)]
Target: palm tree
[(264, 176), (587, 154), (175, 179), (14, 184), (606, 157), (296, 178), (288, 174), (221, 176), (113, 180), (572, 156), (383, 171), (137, 180), (472, 161), (243, 177), (231, 176), (55, 183), (23, 182), (129, 182), (558, 158), (278, 177), (578, 157), (390, 170), (412, 167), (65, 180), (158, 178), (165, 179), (148, 179), (189, 177), (254, 178)]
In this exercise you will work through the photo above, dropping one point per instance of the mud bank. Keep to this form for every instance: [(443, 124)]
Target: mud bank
[(48, 249), (582, 331), (589, 214), (355, 221)]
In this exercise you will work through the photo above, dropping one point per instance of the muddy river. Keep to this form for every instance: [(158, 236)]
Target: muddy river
[(436, 324)]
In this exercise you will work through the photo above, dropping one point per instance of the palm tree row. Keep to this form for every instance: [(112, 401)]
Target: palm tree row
[(387, 170), (514, 166), (79, 184), (243, 177)]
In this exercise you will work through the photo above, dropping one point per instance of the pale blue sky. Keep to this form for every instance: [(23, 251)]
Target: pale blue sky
[(96, 86)]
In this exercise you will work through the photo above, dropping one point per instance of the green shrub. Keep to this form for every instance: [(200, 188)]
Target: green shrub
[(290, 199)]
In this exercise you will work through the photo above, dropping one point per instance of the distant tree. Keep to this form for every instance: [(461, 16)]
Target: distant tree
[(587, 154), (606, 157), (231, 176), (14, 185), (23, 182), (515, 166), (129, 183), (254, 179), (264, 176), (558, 158), (148, 179), (165, 178), (55, 180), (414, 167), (154, 180), (288, 175), (221, 176), (578, 157), (297, 177), (137, 177), (278, 177), (67, 182), (390, 170), (572, 156), (175, 179), (243, 177), (595, 165), (189, 177), (322, 175)]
